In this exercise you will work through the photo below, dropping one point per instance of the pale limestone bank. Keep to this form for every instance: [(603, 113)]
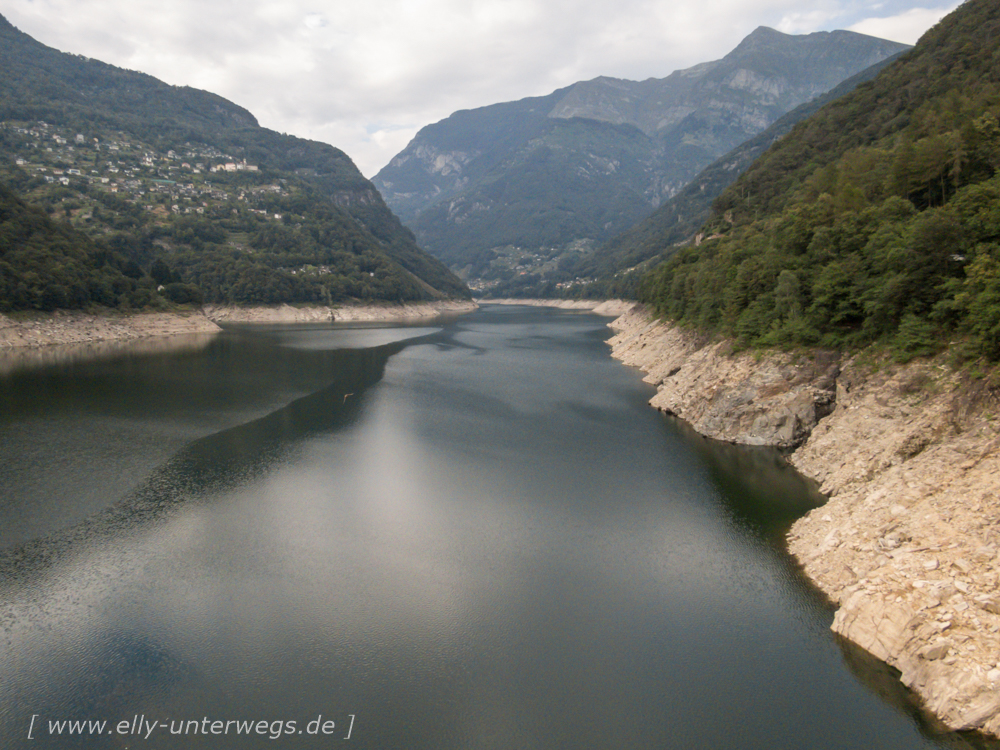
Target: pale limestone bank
[(743, 399), (72, 327), (337, 313), (906, 545), (614, 307)]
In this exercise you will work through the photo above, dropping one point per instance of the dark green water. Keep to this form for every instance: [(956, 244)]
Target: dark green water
[(467, 535)]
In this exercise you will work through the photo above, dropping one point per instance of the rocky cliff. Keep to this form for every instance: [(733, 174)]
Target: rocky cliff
[(908, 456)]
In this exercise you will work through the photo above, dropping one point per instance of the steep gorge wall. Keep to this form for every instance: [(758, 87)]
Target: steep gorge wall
[(909, 456)]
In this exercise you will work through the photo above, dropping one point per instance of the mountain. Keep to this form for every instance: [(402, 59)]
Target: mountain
[(875, 220), (552, 176), (679, 219), (152, 173)]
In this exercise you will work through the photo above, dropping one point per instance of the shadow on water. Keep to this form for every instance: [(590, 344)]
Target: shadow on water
[(133, 663), (762, 490), (883, 680), (214, 463)]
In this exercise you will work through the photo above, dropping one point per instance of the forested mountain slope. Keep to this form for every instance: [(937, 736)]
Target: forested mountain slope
[(154, 172), (46, 264), (876, 219), (682, 216)]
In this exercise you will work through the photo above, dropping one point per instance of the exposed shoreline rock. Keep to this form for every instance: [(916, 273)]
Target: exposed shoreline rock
[(909, 456), (74, 327), (336, 313), (33, 339), (740, 398), (614, 307)]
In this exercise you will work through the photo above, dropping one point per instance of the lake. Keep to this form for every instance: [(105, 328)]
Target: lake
[(468, 533)]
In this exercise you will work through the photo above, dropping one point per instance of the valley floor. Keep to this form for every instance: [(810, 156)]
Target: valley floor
[(909, 456)]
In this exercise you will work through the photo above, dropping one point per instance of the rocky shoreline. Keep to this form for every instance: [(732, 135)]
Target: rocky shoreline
[(73, 327), (337, 313), (909, 457), (34, 330)]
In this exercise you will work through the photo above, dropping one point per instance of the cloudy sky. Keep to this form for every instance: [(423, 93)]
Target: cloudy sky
[(365, 75)]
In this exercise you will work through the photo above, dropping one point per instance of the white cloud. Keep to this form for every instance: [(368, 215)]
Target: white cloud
[(906, 27), (367, 76)]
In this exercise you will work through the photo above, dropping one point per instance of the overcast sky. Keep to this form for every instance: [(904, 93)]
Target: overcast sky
[(365, 75)]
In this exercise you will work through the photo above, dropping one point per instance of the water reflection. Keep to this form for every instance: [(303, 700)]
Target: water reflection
[(761, 488), (77, 437), (32, 358), (213, 464)]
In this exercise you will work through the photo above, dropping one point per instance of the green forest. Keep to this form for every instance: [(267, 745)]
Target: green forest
[(47, 265), (875, 220), (619, 264)]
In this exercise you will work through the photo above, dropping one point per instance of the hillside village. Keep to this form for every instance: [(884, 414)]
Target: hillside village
[(228, 229), (194, 180)]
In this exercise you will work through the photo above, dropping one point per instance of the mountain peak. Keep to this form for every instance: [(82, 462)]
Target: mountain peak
[(605, 151), (766, 39), (766, 32), (761, 36)]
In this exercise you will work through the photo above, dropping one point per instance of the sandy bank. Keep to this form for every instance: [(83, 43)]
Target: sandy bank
[(908, 456), (614, 307), (72, 327), (336, 313)]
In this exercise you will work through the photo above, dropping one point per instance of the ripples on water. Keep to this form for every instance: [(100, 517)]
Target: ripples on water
[(473, 534)]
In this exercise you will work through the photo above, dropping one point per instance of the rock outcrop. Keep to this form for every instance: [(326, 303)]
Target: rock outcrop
[(741, 398), (909, 456)]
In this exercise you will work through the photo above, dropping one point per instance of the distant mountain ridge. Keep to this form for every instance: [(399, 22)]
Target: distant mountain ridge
[(781, 69), (680, 218), (590, 160)]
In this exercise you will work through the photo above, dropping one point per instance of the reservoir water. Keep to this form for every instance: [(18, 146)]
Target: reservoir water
[(473, 533)]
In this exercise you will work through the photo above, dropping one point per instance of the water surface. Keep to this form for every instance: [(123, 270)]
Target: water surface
[(467, 535)]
